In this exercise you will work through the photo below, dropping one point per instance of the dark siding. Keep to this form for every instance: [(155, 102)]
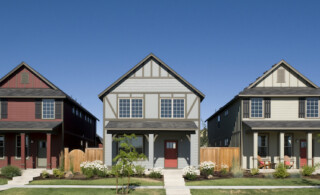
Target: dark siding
[(38, 112), (58, 109), (302, 107), (267, 108), (4, 108), (246, 110)]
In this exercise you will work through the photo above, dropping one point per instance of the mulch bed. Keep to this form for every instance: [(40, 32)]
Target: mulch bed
[(4, 177)]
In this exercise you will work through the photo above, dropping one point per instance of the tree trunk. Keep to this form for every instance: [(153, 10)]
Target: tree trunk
[(128, 184), (117, 184)]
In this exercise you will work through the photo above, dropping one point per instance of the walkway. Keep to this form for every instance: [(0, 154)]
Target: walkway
[(174, 182), (26, 176)]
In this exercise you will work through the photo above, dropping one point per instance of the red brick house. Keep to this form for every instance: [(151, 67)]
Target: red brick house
[(37, 120)]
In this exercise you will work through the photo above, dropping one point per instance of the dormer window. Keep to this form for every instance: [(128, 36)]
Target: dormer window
[(24, 78)]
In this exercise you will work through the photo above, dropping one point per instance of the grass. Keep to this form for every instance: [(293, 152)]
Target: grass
[(3, 181), (255, 182), (107, 181), (75, 191), (275, 191)]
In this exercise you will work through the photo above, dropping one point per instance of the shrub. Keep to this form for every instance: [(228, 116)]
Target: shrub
[(10, 171), (308, 170), (207, 168), (89, 173), (44, 174), (281, 171), (95, 168), (57, 173), (190, 172), (156, 173), (254, 171), (224, 169), (139, 170), (236, 169)]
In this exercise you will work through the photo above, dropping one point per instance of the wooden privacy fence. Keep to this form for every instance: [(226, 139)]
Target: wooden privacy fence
[(220, 155), (74, 158)]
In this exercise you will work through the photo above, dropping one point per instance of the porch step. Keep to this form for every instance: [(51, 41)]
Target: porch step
[(174, 183), (26, 177)]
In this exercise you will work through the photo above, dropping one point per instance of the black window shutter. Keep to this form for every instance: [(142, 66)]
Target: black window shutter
[(4, 108), (38, 109), (58, 109), (302, 107), (267, 108), (246, 111)]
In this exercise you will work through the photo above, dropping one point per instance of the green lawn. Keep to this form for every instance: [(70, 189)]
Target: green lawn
[(75, 191), (3, 181), (255, 182), (275, 191), (106, 181)]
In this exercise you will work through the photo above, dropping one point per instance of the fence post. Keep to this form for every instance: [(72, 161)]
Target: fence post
[(66, 159)]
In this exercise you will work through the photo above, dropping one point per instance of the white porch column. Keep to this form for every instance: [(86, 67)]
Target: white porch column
[(108, 149), (255, 149), (151, 150), (281, 147), (309, 148)]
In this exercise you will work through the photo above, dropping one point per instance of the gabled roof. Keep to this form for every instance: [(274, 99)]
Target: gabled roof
[(282, 62), (54, 92), (151, 56)]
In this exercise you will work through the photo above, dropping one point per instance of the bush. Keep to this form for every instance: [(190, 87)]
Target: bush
[(139, 170), (254, 171), (224, 169), (156, 173), (44, 174), (57, 173), (308, 170), (281, 171), (95, 168), (190, 172), (89, 173), (236, 169), (10, 171), (207, 168)]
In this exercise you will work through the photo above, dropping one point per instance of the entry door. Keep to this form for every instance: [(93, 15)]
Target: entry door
[(303, 153), (171, 154), (42, 153)]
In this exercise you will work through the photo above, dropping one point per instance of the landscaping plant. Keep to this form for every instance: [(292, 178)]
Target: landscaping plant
[(139, 170), (236, 169), (126, 157), (44, 174), (57, 173), (94, 168), (224, 169), (190, 172), (254, 171), (207, 168), (281, 171), (10, 171), (308, 170), (156, 173)]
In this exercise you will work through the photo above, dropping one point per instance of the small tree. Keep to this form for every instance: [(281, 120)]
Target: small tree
[(126, 157), (204, 140)]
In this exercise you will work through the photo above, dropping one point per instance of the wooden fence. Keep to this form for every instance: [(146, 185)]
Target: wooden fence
[(220, 155), (74, 158)]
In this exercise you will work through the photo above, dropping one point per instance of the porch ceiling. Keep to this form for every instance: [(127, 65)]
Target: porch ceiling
[(283, 125), (152, 125), (28, 125)]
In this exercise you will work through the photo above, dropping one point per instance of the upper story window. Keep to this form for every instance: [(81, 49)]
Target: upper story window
[(172, 108), (48, 109), (256, 107), (312, 107), (130, 108), (226, 113)]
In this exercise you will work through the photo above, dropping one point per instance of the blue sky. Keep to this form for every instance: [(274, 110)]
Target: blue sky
[(218, 46)]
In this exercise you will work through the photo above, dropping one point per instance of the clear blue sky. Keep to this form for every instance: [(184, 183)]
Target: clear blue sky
[(218, 46)]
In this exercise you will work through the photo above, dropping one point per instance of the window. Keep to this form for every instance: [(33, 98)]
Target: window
[(24, 78), (48, 109), (77, 112), (130, 108), (1, 146), (256, 107), (171, 145), (80, 114), (73, 110), (226, 113), (18, 146), (263, 145), (219, 121), (312, 107), (172, 108), (226, 142), (137, 142), (288, 145)]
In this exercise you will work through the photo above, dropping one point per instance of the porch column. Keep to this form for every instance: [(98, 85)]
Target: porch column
[(151, 150), (23, 150), (255, 149), (194, 149), (108, 149), (309, 148), (281, 147), (48, 150)]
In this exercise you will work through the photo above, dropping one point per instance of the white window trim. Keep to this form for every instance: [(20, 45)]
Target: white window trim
[(130, 107), (262, 110), (4, 146), (172, 117), (54, 109), (306, 109)]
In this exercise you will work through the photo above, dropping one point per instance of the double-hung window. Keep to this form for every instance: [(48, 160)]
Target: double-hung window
[(1, 146), (18, 146), (172, 108), (256, 107), (48, 109), (130, 108), (137, 143), (288, 144), (263, 145), (312, 107)]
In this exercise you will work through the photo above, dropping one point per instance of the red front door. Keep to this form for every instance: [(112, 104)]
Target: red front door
[(170, 154), (303, 153)]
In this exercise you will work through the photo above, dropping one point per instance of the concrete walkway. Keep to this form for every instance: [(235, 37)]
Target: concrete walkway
[(26, 176), (174, 182)]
